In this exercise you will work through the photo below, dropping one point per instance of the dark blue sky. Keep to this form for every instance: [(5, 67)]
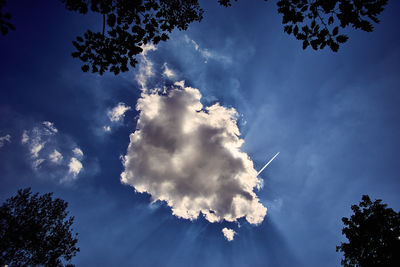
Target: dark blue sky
[(334, 117)]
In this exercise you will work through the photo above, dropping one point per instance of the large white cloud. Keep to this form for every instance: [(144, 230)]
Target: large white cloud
[(190, 157)]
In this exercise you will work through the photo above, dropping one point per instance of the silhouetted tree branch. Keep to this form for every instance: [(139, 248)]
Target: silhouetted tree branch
[(131, 24), (318, 22), (373, 232), (36, 230)]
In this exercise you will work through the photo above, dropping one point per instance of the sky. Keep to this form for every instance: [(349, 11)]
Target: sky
[(217, 100)]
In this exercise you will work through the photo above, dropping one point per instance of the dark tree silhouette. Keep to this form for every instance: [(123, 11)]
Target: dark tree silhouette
[(127, 25), (318, 22), (373, 232), (36, 230), (5, 17)]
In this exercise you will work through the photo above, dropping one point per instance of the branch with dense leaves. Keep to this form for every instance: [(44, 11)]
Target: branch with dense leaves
[(35, 230), (373, 232), (317, 23), (130, 25)]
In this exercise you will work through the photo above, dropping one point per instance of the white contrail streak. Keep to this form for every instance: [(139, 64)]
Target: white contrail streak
[(268, 163)]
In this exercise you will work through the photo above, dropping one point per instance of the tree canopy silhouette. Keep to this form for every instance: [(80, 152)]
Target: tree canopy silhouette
[(373, 232), (36, 230), (318, 22), (131, 24), (127, 25)]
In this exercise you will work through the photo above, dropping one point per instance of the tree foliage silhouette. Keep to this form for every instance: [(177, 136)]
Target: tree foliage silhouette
[(127, 25), (36, 230), (5, 17), (373, 232), (317, 23)]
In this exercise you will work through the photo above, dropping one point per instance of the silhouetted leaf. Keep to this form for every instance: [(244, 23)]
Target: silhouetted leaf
[(305, 44), (111, 20), (335, 31), (342, 38)]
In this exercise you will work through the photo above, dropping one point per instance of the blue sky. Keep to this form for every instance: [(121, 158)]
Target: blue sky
[(334, 117)]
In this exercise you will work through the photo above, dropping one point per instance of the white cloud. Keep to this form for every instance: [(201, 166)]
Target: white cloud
[(3, 139), (55, 157), (78, 152), (46, 144), (25, 137), (207, 54), (145, 67), (50, 127), (190, 157), (118, 112), (228, 233), (36, 147), (36, 163), (107, 128), (37, 137), (168, 72), (75, 167)]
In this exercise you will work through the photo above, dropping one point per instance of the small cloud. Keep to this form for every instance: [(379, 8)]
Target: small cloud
[(107, 128), (78, 152), (206, 54), (229, 234), (118, 112), (4, 139), (148, 47), (50, 127), (180, 84), (47, 149), (75, 167), (55, 157), (36, 147), (145, 67), (25, 137), (168, 72), (37, 163)]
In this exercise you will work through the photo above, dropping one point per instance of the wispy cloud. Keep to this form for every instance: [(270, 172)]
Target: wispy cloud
[(75, 167), (117, 113), (145, 67), (168, 72), (48, 148), (78, 152), (4, 139), (56, 157), (206, 53)]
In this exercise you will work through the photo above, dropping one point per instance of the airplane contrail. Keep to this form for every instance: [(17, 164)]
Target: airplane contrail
[(268, 163)]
